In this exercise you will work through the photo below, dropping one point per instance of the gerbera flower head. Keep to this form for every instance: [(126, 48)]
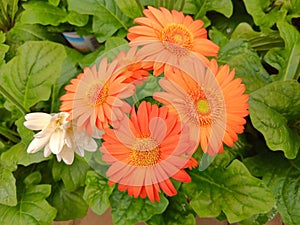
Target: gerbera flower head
[(209, 100), (170, 38), (130, 65), (95, 98), (146, 150)]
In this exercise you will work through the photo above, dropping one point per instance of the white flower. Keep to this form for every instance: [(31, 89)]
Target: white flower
[(57, 136)]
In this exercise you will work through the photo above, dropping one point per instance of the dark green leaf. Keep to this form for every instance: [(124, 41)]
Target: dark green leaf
[(283, 178), (270, 114), (232, 190), (127, 210), (69, 205), (286, 60), (97, 192), (3, 47), (72, 175), (43, 13), (29, 79), (33, 178), (241, 57), (32, 208), (77, 19), (130, 8), (8, 194)]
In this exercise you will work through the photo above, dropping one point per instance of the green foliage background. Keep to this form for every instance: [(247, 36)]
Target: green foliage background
[(249, 183)]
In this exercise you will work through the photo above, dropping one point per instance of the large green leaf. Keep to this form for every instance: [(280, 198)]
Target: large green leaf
[(127, 210), (32, 208), (233, 191), (69, 205), (265, 13), (286, 60), (97, 192), (283, 178), (43, 13), (273, 110), (107, 17), (29, 79), (8, 194), (72, 175), (241, 57), (130, 8)]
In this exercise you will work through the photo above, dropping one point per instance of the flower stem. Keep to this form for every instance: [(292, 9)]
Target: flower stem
[(9, 134), (12, 99)]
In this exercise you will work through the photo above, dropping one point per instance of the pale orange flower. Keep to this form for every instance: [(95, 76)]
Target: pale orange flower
[(146, 150), (210, 101), (94, 98), (170, 38)]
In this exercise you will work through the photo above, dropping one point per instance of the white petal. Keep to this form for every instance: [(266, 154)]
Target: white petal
[(90, 144), (37, 144), (37, 121), (67, 154), (57, 141), (45, 132), (47, 151)]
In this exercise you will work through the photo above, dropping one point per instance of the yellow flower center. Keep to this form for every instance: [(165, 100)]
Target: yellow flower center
[(177, 39), (144, 152), (97, 94), (203, 106)]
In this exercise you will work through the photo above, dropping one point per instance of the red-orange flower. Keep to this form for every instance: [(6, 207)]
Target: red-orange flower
[(94, 98), (170, 38), (210, 101), (146, 150)]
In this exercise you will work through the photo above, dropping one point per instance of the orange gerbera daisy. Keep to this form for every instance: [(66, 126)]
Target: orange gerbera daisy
[(209, 100), (146, 150), (170, 38), (94, 98), (132, 67)]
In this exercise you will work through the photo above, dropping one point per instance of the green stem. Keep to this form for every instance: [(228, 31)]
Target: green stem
[(12, 99), (9, 134)]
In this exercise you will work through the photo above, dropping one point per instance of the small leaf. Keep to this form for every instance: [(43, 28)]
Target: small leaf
[(232, 190), (264, 13), (29, 79), (77, 19), (32, 208), (130, 8), (8, 194), (72, 175), (271, 109), (97, 192), (54, 2), (241, 57), (3, 47), (286, 60), (127, 210), (69, 205), (43, 13)]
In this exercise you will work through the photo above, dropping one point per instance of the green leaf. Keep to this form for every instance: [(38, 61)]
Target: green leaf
[(178, 212), (77, 19), (271, 109), (33, 178), (3, 47), (54, 2), (97, 192), (286, 60), (107, 18), (130, 8), (43, 13), (69, 205), (241, 57), (17, 155), (32, 208), (35, 74), (282, 176), (72, 175), (127, 210), (265, 14), (8, 194), (260, 41), (199, 8), (232, 190)]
